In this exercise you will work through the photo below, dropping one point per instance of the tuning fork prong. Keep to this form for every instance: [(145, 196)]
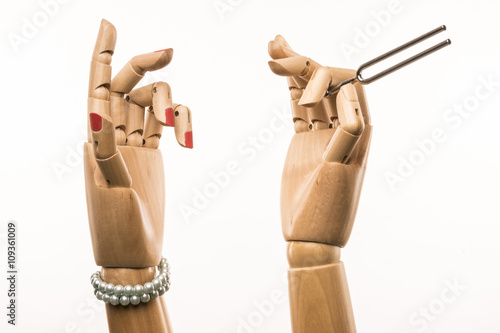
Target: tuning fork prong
[(359, 77)]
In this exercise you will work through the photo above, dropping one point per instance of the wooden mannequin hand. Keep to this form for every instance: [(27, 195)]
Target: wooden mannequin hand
[(326, 160), (124, 175)]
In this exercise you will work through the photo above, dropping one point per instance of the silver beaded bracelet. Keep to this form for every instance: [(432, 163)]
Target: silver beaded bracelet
[(109, 293)]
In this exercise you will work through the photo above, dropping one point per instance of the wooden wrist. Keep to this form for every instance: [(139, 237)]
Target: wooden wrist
[(124, 276), (310, 254), (144, 317)]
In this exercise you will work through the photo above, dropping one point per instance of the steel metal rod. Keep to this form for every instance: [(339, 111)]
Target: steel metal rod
[(359, 78)]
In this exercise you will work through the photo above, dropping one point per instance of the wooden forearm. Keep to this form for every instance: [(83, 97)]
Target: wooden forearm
[(319, 294), (151, 317)]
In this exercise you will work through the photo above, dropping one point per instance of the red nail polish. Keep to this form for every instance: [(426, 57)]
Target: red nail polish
[(169, 117), (188, 138), (95, 122), (161, 50)]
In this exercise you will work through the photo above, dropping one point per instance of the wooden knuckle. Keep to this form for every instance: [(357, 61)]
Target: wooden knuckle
[(135, 119), (152, 127), (142, 96), (125, 80), (299, 112), (319, 113), (100, 75), (118, 111)]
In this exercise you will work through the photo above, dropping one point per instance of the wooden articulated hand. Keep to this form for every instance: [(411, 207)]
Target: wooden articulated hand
[(124, 175), (321, 185)]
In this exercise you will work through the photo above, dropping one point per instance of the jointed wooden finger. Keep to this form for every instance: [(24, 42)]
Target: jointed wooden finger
[(351, 126), (287, 62), (321, 80), (330, 103), (134, 70), (300, 115), (298, 69), (183, 126), (291, 66), (152, 130), (159, 96), (107, 156), (301, 121), (119, 115), (100, 71), (319, 117), (300, 66), (123, 83), (135, 124), (279, 49)]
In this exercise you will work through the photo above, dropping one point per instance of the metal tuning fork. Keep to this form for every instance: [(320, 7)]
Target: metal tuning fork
[(359, 77)]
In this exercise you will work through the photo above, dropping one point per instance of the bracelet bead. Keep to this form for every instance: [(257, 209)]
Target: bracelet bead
[(149, 287), (124, 300), (129, 290), (145, 298), (138, 290), (134, 300), (118, 291), (114, 300), (110, 288)]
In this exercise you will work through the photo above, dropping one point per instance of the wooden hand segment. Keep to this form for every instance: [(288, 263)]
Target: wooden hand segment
[(124, 180), (129, 119), (351, 126), (321, 184), (108, 158), (318, 290), (100, 72), (157, 98)]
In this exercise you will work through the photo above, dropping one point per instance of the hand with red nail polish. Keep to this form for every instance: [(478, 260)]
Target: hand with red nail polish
[(124, 175)]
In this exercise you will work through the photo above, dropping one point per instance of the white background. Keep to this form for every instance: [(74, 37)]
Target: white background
[(438, 226)]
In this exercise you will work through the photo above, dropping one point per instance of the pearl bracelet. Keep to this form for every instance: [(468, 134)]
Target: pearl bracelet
[(109, 293)]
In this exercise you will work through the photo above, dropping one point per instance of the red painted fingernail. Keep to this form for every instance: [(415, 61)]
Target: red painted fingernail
[(169, 117), (161, 50), (95, 122), (188, 138)]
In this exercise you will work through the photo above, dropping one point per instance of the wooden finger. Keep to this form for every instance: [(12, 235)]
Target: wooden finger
[(319, 117), (280, 39), (134, 70), (317, 87), (183, 126), (278, 50), (300, 66), (123, 83), (351, 126), (100, 72), (119, 115), (300, 115), (152, 130), (150, 137), (159, 96), (107, 156), (135, 124), (288, 61), (330, 103), (291, 66), (321, 80)]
